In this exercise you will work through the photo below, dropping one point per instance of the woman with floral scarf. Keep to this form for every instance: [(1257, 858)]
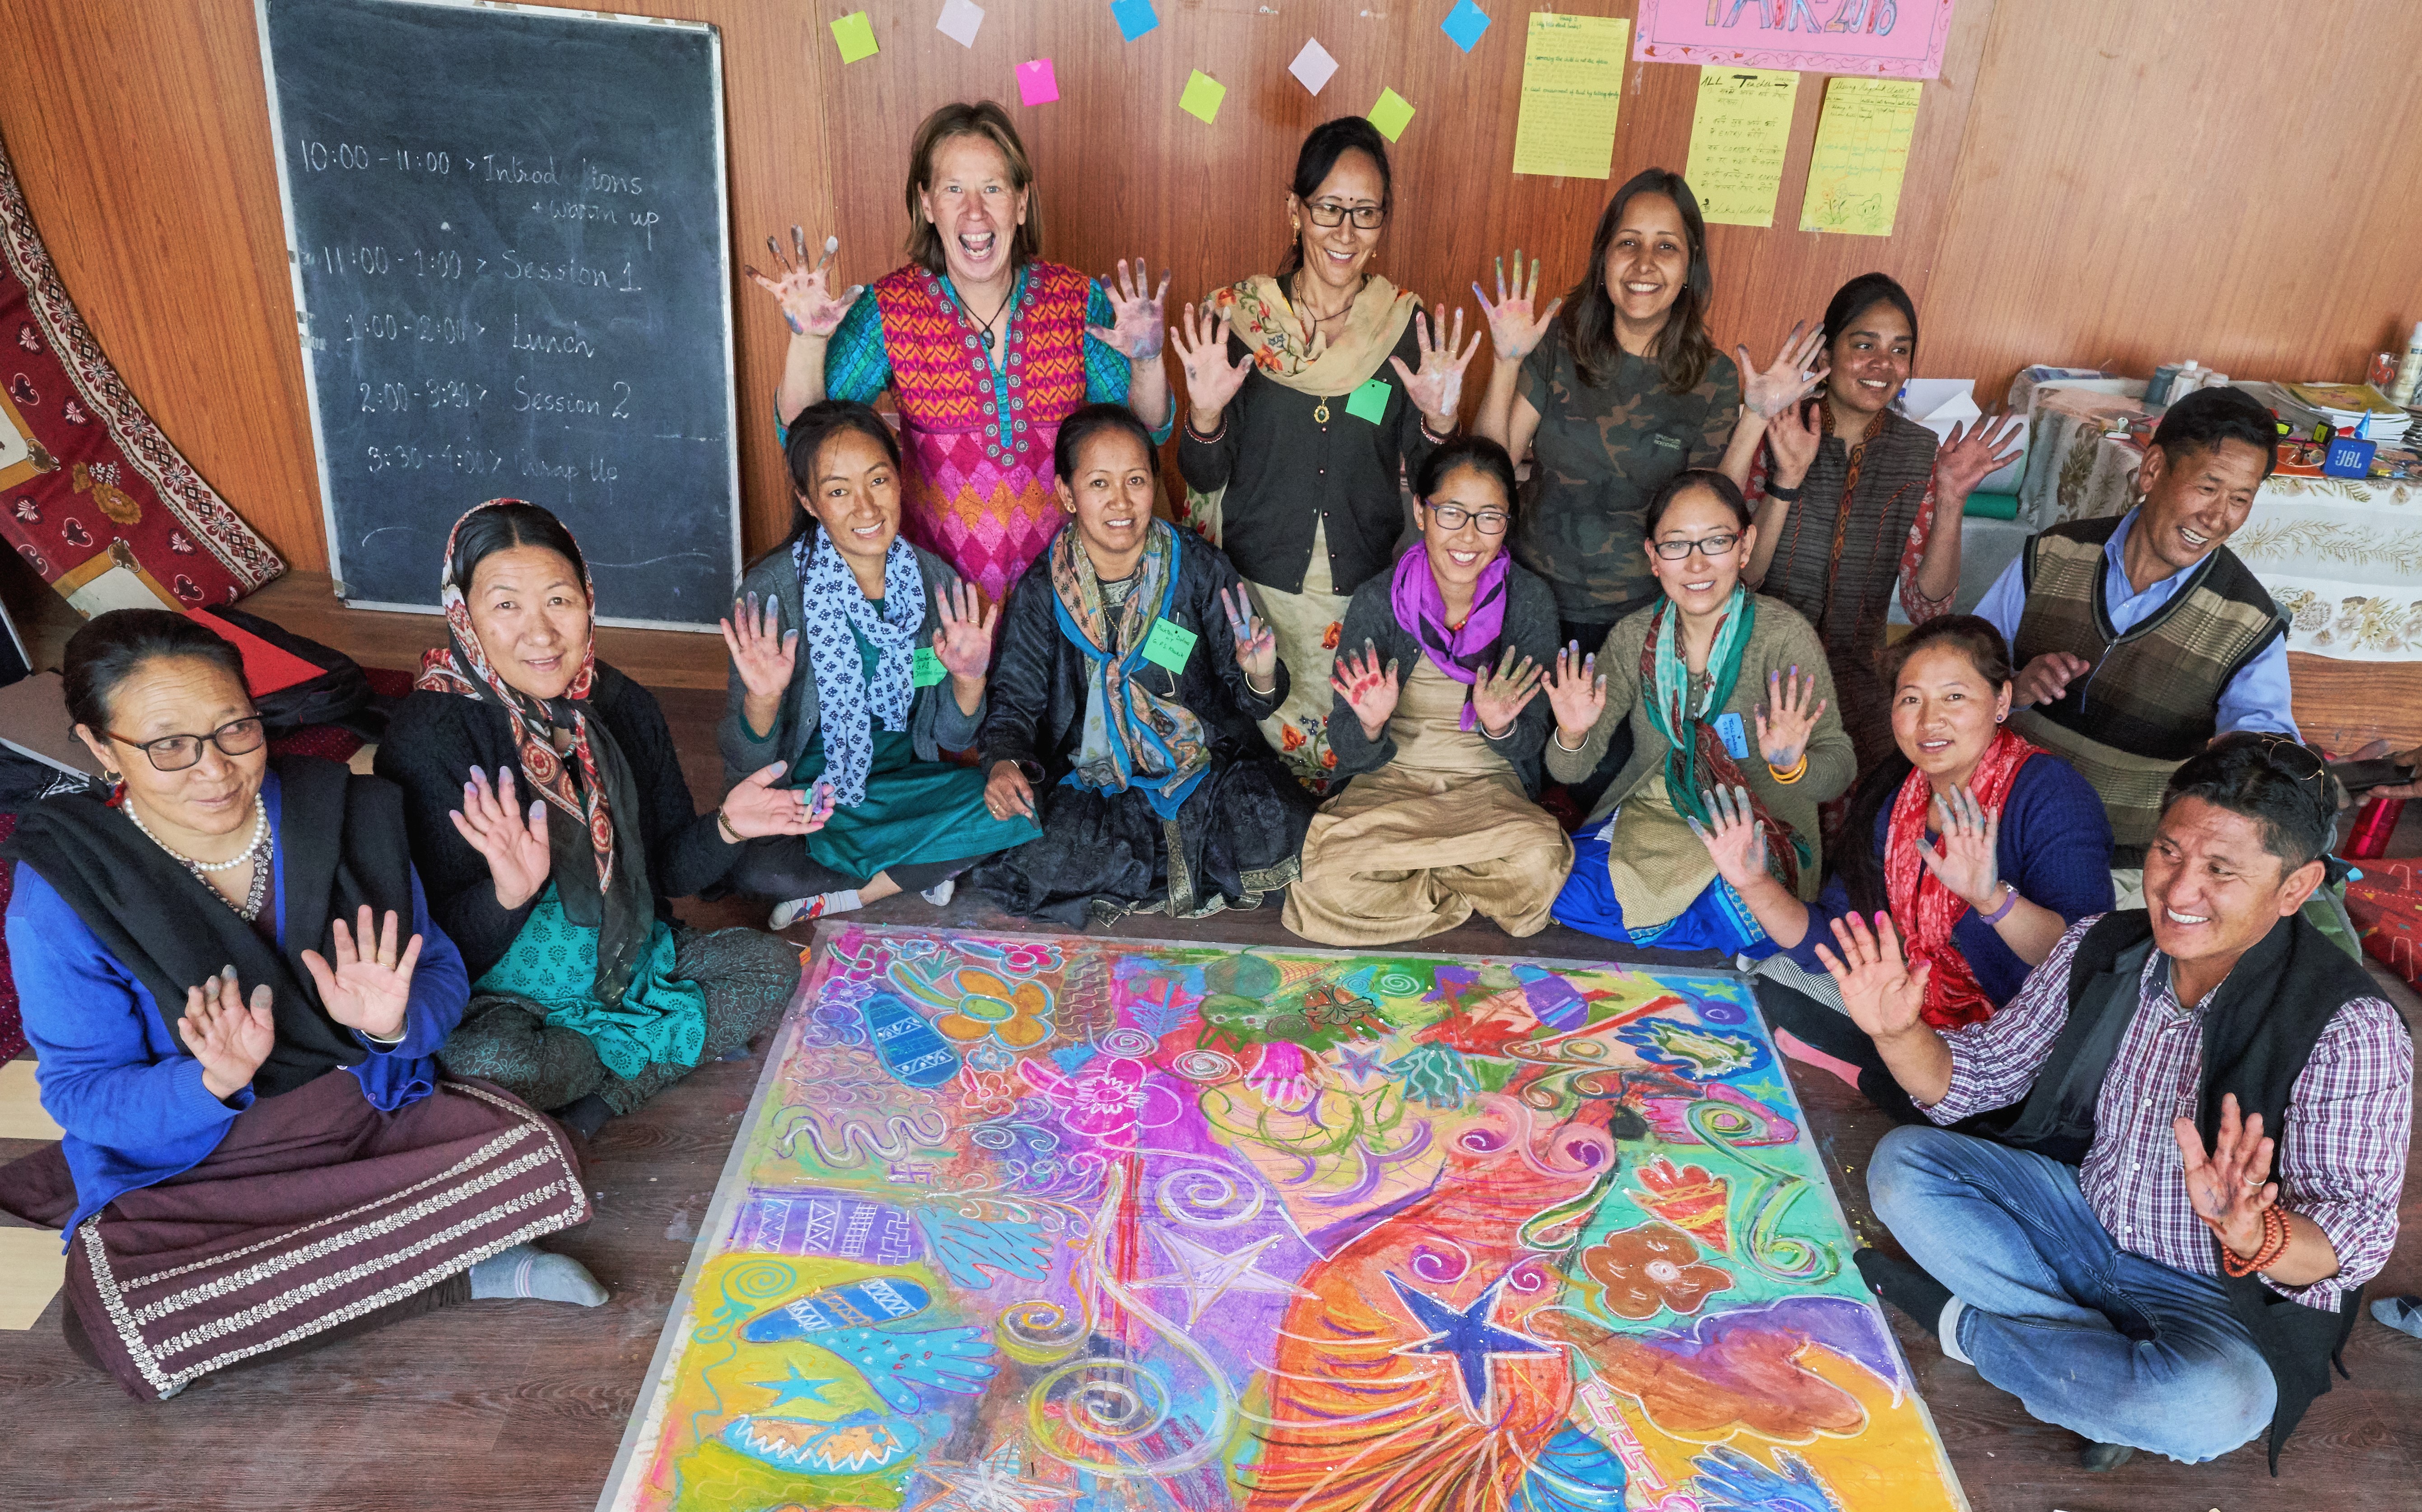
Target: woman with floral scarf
[(1131, 674), (587, 997)]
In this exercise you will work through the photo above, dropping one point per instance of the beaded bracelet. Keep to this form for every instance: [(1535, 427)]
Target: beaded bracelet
[(1799, 769), (2275, 1239), (1215, 436)]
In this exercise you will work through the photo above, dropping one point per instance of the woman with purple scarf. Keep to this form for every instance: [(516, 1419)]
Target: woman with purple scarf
[(1437, 721)]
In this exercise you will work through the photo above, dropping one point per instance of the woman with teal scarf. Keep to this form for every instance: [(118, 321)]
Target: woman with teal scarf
[(1124, 710), (1731, 711), (552, 828)]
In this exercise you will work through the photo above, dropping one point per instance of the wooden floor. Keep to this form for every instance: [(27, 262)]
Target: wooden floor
[(519, 1406)]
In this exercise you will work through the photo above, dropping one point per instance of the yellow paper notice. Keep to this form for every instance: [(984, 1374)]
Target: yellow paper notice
[(1738, 140), (1861, 152), (1572, 85)]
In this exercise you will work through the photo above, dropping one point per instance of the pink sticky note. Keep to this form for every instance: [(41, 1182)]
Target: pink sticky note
[(1036, 84), (1313, 67)]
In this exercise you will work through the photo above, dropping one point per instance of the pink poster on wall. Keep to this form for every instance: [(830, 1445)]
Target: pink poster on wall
[(1879, 38)]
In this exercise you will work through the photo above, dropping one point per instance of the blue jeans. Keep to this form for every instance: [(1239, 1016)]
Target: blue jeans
[(2108, 1344)]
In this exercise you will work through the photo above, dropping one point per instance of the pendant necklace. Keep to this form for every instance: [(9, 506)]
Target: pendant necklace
[(1311, 332)]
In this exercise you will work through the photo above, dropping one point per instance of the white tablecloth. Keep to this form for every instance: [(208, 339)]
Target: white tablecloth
[(2342, 557)]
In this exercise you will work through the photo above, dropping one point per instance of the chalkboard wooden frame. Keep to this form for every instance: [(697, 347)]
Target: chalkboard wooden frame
[(296, 260)]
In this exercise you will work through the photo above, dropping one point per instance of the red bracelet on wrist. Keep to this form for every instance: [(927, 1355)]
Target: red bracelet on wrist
[(2275, 1239)]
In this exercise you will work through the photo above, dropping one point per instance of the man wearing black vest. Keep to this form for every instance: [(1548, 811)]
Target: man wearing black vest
[(2200, 1115)]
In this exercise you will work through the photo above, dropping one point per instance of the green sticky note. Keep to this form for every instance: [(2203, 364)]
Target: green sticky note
[(1370, 401), (1391, 115), (855, 35), (1168, 645), (929, 669), (1202, 95)]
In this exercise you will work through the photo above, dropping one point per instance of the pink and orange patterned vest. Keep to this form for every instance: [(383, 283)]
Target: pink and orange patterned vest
[(977, 440)]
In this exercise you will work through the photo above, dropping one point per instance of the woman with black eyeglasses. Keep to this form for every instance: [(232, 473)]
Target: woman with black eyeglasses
[(1310, 396), (1730, 708), (1436, 717), (236, 990)]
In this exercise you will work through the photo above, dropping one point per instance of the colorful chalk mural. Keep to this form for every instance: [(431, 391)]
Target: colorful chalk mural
[(1031, 1224)]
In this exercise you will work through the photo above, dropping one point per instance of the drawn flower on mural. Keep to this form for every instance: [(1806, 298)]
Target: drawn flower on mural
[(1018, 1014), (1650, 1268), (1692, 1049), (1029, 957), (1332, 1007), (1689, 1199)]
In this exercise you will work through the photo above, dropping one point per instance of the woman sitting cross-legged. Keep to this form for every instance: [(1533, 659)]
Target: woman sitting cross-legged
[(1438, 820), (1984, 849), (893, 675), (235, 985), (1131, 676), (590, 999), (1686, 672)]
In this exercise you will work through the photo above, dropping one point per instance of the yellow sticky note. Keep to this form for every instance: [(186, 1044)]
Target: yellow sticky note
[(21, 1105), (1391, 115), (1572, 87), (33, 1266), (854, 34), (1862, 153), (1202, 95), (1737, 139)]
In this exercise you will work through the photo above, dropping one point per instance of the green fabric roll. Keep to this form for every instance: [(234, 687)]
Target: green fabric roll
[(553, 962), (1991, 506)]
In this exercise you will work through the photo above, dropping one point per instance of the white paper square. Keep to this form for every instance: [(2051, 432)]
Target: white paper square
[(1313, 67), (960, 19)]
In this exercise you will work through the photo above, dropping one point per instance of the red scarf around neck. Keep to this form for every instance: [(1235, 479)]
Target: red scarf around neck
[(1922, 907)]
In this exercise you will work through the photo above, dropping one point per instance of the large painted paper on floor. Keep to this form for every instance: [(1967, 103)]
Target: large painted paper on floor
[(1879, 38), (1025, 1222)]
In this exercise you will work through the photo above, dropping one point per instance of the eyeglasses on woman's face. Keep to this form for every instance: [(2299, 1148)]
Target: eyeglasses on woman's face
[(1711, 546), (174, 753), (1452, 516), (1329, 213)]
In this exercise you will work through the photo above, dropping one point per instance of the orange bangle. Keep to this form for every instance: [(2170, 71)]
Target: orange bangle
[(2275, 1239), (1799, 769)]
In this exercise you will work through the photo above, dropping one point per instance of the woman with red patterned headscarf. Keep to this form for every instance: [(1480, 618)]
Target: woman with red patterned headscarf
[(587, 997)]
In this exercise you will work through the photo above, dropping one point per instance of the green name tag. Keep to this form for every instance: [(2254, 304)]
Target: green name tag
[(1168, 645), (928, 669), (1370, 401)]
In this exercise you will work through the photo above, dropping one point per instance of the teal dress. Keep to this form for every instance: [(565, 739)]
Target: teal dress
[(914, 810), (553, 962)]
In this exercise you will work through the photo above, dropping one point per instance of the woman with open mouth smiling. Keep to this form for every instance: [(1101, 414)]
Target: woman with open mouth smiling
[(1984, 848), (1624, 392), (1858, 498), (1131, 675), (1439, 721), (1687, 675), (985, 347), (1310, 396)]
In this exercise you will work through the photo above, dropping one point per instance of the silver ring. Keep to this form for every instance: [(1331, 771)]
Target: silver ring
[(2255, 1182)]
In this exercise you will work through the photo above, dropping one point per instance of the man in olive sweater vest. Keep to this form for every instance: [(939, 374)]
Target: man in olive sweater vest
[(2140, 639)]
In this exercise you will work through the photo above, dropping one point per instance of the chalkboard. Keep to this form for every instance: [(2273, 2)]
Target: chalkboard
[(509, 234)]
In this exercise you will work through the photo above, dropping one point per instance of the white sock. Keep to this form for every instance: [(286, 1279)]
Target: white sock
[(525, 1271), (939, 894), (1948, 1330), (786, 914)]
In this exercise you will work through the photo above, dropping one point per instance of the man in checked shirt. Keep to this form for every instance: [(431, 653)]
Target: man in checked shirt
[(2171, 1084)]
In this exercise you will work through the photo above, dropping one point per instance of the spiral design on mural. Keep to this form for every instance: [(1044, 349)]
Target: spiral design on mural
[(1208, 1197), (1132, 1043), (1206, 1068), (1039, 1332)]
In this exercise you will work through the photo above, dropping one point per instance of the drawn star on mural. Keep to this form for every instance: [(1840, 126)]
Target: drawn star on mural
[(995, 1483), (1207, 1275), (796, 1386), (1470, 1337)]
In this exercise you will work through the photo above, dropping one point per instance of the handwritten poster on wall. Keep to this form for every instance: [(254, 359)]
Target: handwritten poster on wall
[(1862, 153), (1737, 139), (1879, 39), (1572, 85)]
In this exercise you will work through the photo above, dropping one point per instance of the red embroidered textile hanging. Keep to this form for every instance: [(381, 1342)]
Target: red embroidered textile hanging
[(91, 495)]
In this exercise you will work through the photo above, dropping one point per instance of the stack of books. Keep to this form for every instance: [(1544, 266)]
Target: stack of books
[(2355, 410)]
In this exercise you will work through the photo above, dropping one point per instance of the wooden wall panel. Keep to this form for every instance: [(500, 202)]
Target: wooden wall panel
[(2089, 180)]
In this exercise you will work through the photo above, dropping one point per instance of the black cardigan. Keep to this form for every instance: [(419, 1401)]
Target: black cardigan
[(1530, 629), (433, 741), (1284, 470), (1036, 717)]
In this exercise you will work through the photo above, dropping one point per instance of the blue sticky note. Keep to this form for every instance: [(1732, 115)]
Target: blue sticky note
[(1730, 729), (1465, 24), (1135, 18)]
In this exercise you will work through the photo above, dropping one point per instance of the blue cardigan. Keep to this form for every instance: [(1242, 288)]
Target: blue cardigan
[(125, 1090), (2055, 847)]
